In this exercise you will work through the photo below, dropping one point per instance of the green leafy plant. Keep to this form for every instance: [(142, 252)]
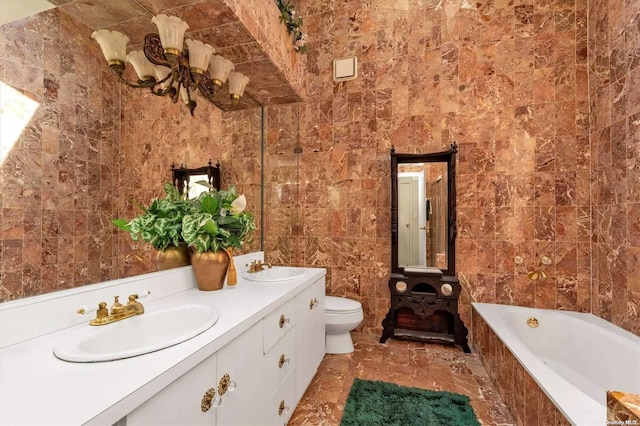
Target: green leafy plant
[(293, 24), (218, 220), (161, 222)]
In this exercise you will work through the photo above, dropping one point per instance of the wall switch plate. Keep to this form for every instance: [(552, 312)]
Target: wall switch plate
[(345, 69)]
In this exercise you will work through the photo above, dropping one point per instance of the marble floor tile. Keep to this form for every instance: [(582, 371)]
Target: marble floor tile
[(415, 364)]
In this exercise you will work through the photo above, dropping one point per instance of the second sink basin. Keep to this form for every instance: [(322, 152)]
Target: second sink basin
[(277, 273), (152, 331)]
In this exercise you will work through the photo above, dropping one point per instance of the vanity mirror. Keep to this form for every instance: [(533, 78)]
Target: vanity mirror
[(423, 209), (185, 179)]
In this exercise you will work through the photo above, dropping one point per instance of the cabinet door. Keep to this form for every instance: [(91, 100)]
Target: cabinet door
[(309, 335), (241, 362), (181, 403)]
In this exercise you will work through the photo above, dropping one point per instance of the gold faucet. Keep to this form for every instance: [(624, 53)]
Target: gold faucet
[(257, 266), (118, 311)]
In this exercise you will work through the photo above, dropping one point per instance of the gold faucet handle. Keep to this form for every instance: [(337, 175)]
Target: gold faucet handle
[(85, 310), (136, 296), (117, 306), (101, 312), (142, 294)]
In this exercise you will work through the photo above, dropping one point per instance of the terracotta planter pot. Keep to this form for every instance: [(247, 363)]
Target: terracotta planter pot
[(210, 269), (173, 257)]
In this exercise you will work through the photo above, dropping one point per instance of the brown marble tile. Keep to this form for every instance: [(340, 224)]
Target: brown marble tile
[(623, 407), (413, 364)]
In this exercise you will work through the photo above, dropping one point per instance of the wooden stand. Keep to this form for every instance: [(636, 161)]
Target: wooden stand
[(422, 310)]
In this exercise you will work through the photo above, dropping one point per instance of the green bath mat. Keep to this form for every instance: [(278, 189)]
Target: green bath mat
[(372, 403)]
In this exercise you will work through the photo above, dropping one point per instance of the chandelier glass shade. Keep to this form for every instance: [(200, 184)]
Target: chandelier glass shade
[(170, 66)]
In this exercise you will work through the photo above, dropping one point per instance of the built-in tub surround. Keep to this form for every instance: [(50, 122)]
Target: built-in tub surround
[(623, 408), (553, 366), (83, 393)]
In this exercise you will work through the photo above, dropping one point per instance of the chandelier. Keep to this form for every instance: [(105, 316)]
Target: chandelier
[(171, 66)]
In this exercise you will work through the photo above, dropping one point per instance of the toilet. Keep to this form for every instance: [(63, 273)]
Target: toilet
[(341, 316)]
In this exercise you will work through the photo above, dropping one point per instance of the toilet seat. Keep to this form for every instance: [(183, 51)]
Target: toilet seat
[(341, 305)]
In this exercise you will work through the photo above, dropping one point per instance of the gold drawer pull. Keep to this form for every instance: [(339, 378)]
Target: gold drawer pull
[(283, 320), (209, 400), (282, 361), (313, 303), (282, 408), (226, 384)]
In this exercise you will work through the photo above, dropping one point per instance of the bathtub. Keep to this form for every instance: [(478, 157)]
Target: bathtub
[(574, 357)]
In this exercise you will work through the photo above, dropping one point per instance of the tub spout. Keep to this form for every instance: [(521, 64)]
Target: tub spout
[(535, 275)]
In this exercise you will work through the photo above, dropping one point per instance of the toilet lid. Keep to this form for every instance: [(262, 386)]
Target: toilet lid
[(341, 304)]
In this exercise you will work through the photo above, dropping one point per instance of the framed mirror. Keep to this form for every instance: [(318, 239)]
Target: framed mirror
[(423, 211), (185, 179)]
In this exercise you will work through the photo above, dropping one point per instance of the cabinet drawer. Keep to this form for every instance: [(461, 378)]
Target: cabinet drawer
[(280, 406), (181, 402), (279, 362), (278, 323)]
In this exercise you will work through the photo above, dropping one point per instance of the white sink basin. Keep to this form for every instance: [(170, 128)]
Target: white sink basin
[(152, 331), (277, 273)]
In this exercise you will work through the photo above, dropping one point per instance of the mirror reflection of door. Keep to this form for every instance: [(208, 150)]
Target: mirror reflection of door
[(436, 240), (422, 215), (412, 232)]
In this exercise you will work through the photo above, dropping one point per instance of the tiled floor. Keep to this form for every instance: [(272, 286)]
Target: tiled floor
[(415, 364)]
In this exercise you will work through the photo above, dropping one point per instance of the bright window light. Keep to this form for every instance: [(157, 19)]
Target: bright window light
[(16, 110)]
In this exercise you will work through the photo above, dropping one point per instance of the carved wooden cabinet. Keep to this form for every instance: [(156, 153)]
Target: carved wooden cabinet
[(424, 306)]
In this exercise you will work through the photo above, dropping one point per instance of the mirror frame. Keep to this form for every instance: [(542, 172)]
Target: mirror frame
[(180, 176), (448, 157)]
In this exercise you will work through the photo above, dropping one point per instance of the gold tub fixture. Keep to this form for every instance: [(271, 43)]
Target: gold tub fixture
[(539, 272), (535, 275), (533, 322), (257, 266), (118, 310)]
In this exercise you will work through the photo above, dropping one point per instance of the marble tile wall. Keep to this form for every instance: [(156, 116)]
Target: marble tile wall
[(58, 178), (614, 85), (261, 20), (91, 148), (507, 80), (157, 133), (528, 403)]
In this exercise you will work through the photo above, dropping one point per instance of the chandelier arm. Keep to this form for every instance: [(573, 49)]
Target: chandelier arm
[(154, 51), (159, 92), (139, 85), (207, 88)]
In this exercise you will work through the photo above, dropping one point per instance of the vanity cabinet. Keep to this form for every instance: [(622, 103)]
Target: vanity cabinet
[(180, 402), (267, 370), (309, 334), (228, 379), (241, 363)]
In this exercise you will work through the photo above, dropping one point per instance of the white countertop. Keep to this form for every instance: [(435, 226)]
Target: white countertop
[(36, 388)]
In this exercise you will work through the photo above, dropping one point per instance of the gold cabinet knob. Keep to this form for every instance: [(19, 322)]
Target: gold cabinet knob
[(313, 303), (282, 408), (226, 385), (283, 320), (209, 400), (282, 361)]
